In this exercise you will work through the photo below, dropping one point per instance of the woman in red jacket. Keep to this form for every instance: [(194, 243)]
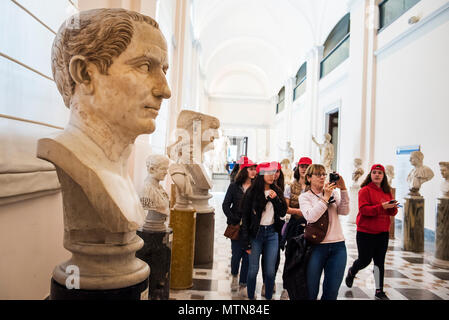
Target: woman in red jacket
[(376, 205)]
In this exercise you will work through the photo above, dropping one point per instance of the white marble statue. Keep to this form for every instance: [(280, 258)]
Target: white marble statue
[(389, 171), (114, 86), (287, 170), (180, 175), (154, 198), (419, 175), (326, 151), (444, 168), (288, 152), (196, 133), (358, 172)]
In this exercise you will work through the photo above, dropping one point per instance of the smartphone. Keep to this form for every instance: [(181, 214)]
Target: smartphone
[(392, 201)]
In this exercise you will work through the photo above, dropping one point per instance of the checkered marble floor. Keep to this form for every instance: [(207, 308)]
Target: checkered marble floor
[(408, 275)]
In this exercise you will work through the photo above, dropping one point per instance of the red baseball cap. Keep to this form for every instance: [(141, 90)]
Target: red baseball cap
[(275, 163), (267, 168), (305, 160), (246, 162), (378, 167)]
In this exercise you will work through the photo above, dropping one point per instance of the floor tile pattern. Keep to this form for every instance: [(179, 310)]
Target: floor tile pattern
[(408, 275)]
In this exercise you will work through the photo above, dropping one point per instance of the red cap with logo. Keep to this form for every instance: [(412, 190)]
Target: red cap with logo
[(267, 168), (245, 162), (378, 167), (304, 160)]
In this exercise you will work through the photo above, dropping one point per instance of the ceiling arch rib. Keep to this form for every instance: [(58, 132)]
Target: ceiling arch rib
[(257, 85)]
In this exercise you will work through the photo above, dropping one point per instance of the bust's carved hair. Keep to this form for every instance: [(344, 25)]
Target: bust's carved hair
[(99, 35)]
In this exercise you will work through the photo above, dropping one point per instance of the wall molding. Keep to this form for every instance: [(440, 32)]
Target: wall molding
[(30, 121), (34, 17), (25, 66), (412, 29)]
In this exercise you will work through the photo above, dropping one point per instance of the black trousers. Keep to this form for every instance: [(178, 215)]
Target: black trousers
[(371, 247)]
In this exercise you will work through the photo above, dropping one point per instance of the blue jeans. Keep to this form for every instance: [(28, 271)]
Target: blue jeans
[(239, 254), (330, 257), (267, 241)]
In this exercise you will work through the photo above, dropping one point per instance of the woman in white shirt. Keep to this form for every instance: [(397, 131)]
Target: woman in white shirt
[(330, 254)]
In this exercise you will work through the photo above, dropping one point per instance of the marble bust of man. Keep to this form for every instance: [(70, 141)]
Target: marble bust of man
[(358, 171), (110, 70), (153, 197), (444, 168), (419, 174)]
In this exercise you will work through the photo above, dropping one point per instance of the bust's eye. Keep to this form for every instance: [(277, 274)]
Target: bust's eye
[(145, 67)]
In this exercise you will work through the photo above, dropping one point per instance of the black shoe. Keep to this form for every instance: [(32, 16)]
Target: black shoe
[(349, 279), (380, 295)]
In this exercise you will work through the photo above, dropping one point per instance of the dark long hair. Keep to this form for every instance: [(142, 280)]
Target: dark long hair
[(296, 173), (256, 193), (280, 182), (383, 185), (241, 176), (234, 172)]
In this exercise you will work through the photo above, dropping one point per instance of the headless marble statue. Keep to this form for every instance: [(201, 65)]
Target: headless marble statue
[(113, 97)]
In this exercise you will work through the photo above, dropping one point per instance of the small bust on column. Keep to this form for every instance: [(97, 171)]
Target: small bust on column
[(153, 197), (444, 168), (358, 172)]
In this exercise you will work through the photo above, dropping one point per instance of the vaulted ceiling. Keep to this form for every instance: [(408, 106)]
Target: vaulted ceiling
[(251, 47)]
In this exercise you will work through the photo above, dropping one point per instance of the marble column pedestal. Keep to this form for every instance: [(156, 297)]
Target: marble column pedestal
[(441, 259), (135, 292), (204, 240), (413, 227), (157, 253), (354, 203), (183, 224)]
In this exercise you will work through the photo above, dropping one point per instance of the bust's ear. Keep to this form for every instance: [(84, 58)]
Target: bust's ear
[(80, 72)]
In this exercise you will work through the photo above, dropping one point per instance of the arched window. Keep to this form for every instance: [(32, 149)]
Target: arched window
[(300, 85), (281, 103), (390, 10), (336, 46)]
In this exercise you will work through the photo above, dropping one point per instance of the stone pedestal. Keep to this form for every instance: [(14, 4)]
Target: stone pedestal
[(413, 227), (441, 259), (183, 224), (204, 240), (392, 224), (135, 292), (157, 253), (354, 203)]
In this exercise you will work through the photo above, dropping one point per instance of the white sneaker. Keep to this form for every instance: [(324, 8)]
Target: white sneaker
[(235, 283), (262, 293), (284, 295), (243, 292)]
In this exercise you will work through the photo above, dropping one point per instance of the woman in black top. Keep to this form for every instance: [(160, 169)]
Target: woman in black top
[(263, 206), (231, 208)]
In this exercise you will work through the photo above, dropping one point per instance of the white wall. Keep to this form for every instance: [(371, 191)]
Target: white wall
[(412, 99), (31, 231)]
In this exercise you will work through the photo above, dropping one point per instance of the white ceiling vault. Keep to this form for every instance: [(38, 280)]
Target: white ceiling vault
[(251, 47)]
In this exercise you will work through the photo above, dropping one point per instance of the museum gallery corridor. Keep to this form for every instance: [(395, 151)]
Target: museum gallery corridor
[(408, 275)]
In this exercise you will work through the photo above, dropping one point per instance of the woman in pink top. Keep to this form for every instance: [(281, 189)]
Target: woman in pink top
[(330, 254)]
